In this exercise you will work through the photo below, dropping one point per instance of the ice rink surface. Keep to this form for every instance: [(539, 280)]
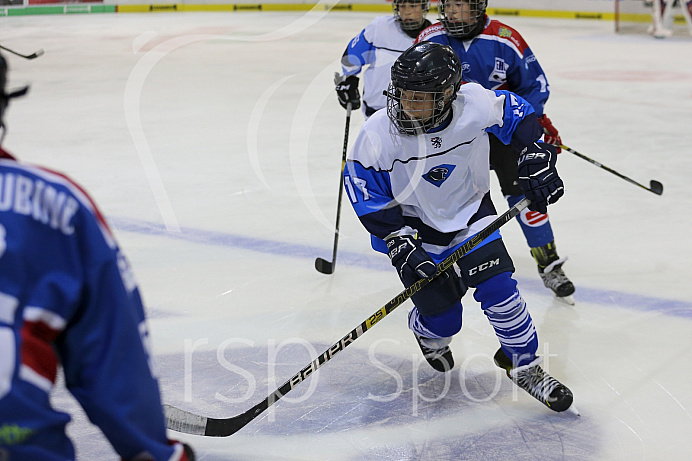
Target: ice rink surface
[(212, 142)]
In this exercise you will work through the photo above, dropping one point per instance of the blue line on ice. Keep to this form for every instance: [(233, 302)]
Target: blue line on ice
[(377, 262)]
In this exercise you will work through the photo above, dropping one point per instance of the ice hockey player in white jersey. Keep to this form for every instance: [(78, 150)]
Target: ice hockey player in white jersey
[(418, 178), (377, 46), (68, 300)]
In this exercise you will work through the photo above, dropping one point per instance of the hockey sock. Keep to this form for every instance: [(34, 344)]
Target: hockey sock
[(506, 311), (535, 226)]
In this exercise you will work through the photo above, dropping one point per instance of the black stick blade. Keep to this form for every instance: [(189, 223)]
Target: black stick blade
[(656, 187), (324, 266), (36, 54)]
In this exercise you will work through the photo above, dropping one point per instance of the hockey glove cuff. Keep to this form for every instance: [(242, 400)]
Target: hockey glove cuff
[(538, 176), (408, 256), (550, 134)]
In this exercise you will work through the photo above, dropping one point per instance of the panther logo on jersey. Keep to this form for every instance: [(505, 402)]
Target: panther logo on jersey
[(439, 174), (436, 142)]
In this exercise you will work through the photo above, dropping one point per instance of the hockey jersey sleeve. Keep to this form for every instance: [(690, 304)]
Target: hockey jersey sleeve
[(359, 53), (370, 193), (520, 126)]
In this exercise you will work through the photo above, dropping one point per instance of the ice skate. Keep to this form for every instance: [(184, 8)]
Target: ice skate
[(550, 270), (436, 351), (543, 387)]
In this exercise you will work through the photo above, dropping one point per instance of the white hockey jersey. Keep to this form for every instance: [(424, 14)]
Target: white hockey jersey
[(439, 179), (377, 46)]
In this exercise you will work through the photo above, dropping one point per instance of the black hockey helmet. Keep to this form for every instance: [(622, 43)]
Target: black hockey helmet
[(410, 25), (4, 96), (462, 19), (425, 73)]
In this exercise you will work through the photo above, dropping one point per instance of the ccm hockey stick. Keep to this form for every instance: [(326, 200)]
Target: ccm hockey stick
[(25, 56), (322, 265), (184, 421), (654, 186)]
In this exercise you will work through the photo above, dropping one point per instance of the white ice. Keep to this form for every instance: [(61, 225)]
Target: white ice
[(213, 141)]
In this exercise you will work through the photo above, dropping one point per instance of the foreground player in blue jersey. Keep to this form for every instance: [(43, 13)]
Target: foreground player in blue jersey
[(376, 47), (68, 298), (495, 56), (418, 178)]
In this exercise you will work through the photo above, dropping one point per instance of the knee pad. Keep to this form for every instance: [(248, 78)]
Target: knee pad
[(443, 325), (495, 290), (484, 263), (440, 294)]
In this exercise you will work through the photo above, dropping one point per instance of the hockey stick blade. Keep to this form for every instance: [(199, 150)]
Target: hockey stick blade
[(324, 266), (184, 421), (34, 55), (655, 187)]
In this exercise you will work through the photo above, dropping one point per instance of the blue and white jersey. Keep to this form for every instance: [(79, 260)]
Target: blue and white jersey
[(437, 183), (377, 46), (68, 298), (498, 59)]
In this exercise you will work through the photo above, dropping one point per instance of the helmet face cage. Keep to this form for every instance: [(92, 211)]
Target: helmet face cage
[(462, 18), (416, 112), (411, 24)]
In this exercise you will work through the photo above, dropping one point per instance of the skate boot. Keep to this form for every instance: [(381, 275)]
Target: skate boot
[(550, 270), (436, 351), (543, 387)]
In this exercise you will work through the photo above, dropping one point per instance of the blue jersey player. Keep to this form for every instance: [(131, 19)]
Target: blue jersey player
[(418, 178), (375, 48), (496, 56), (68, 299)]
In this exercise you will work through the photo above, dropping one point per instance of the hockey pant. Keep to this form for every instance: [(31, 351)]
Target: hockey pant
[(535, 226), (488, 269)]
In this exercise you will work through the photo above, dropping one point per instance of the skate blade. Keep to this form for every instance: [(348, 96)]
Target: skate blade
[(569, 300), (572, 409)]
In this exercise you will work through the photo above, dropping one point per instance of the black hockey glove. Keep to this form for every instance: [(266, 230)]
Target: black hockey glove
[(410, 259), (347, 91), (538, 176)]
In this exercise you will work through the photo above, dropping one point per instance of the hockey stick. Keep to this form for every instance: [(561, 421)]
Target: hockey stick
[(25, 56), (654, 186), (322, 265), (183, 421)]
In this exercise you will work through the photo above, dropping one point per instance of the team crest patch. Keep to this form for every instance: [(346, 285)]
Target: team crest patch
[(436, 142), (439, 174), (504, 32)]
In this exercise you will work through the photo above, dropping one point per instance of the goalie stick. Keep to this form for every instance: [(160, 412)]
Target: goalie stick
[(322, 265), (190, 423), (654, 186), (33, 55)]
